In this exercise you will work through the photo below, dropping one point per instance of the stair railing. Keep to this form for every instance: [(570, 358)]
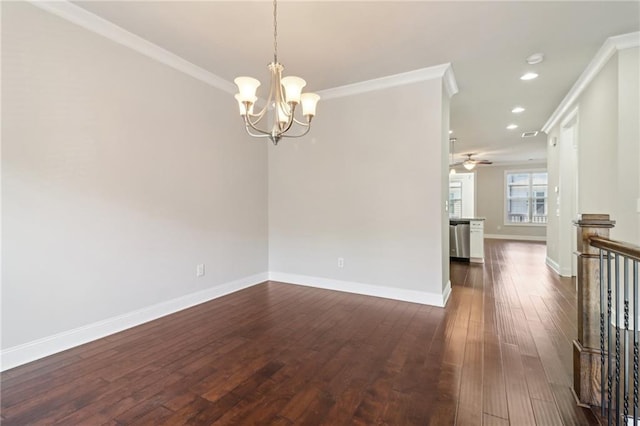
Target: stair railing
[(607, 297)]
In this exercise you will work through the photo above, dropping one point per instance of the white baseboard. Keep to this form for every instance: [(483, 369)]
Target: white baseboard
[(31, 351), (553, 265), (515, 237), (406, 295), (563, 272), (446, 293), (40, 348)]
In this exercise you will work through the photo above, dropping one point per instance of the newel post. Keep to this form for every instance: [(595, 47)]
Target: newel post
[(586, 348)]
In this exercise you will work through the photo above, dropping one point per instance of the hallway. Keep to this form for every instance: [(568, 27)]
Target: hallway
[(521, 322), (498, 354)]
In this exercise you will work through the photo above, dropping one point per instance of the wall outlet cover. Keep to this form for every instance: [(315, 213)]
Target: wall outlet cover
[(200, 270)]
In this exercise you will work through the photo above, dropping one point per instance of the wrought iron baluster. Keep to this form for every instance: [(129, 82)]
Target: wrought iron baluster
[(609, 342), (617, 326), (635, 341), (626, 340), (603, 309)]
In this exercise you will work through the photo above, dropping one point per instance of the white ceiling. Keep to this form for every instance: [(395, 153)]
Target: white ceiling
[(331, 44)]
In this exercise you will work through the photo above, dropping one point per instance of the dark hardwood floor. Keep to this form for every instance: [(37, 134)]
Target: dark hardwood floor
[(277, 354)]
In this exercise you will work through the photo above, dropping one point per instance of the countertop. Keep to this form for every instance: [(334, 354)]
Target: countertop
[(465, 219)]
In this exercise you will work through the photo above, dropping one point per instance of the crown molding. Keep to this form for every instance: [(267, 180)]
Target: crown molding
[(113, 32), (94, 23), (443, 71), (450, 83), (610, 47)]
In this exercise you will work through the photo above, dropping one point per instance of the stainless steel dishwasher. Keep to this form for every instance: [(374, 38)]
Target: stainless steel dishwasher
[(459, 232)]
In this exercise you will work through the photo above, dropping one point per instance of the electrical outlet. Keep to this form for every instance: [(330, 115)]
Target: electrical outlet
[(341, 262), (200, 270)]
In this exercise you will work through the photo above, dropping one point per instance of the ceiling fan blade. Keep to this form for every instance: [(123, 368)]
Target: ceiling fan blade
[(483, 162)]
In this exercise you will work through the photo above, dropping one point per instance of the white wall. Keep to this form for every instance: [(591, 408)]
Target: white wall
[(608, 149), (490, 203), (628, 167), (366, 188), (119, 175), (443, 148), (597, 142)]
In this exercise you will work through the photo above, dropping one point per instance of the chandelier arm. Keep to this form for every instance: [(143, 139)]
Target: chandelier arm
[(296, 136), (248, 124), (308, 126), (257, 130), (257, 120), (256, 135), (260, 114), (290, 120), (301, 123)]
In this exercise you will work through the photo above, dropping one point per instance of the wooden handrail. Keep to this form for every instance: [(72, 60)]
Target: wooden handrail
[(628, 250)]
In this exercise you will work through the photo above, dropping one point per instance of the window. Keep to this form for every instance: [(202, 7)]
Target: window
[(526, 197), (455, 199)]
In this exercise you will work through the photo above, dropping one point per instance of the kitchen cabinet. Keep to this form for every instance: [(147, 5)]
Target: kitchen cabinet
[(476, 241)]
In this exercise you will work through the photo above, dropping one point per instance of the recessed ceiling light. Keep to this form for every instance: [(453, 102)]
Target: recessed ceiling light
[(450, 131), (512, 126), (536, 58), (517, 110), (529, 76)]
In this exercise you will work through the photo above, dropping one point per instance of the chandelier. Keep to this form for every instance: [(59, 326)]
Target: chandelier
[(285, 95)]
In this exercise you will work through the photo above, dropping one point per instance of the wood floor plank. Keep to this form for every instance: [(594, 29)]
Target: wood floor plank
[(280, 354), (537, 381), (488, 420), (494, 389), (518, 399), (570, 413), (471, 389), (546, 413)]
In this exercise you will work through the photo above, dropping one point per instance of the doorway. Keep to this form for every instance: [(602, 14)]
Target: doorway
[(462, 202)]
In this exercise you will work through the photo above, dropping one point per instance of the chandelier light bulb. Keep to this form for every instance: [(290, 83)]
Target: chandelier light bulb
[(243, 107), (283, 114), (293, 88), (309, 103), (247, 86)]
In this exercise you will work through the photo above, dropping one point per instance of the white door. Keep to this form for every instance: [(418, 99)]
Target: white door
[(568, 193)]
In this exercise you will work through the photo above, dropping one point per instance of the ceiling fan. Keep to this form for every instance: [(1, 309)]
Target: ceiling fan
[(470, 163)]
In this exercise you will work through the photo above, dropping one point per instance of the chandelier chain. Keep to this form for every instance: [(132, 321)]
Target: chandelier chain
[(275, 31)]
